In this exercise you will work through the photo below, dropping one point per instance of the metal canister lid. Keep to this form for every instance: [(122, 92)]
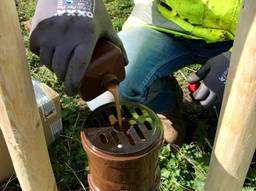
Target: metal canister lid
[(142, 129)]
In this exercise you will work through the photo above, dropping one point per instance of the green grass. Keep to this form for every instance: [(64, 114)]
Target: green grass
[(185, 169)]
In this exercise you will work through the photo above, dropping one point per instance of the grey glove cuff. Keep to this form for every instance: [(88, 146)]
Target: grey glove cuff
[(49, 8)]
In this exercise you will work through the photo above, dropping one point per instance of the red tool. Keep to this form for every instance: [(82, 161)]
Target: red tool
[(193, 87)]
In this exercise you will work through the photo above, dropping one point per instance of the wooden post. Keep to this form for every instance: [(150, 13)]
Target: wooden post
[(19, 117), (235, 141)]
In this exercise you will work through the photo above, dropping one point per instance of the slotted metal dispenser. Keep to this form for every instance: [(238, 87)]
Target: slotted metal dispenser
[(123, 159)]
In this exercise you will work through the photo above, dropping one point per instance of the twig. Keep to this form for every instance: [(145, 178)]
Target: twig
[(78, 179), (208, 142), (70, 140), (216, 112), (9, 181), (69, 137)]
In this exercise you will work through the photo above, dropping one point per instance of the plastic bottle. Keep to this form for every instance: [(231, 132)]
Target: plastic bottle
[(106, 67)]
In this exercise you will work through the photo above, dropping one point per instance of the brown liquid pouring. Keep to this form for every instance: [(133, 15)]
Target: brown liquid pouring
[(104, 72), (113, 88)]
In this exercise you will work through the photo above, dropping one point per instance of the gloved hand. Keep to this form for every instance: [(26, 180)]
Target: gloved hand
[(213, 76), (64, 34)]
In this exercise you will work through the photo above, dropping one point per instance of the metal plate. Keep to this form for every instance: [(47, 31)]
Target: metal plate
[(142, 129)]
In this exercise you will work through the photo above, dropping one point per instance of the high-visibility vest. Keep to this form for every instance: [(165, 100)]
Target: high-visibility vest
[(209, 20)]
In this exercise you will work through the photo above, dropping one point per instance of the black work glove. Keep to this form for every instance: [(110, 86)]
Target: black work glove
[(64, 34), (213, 76)]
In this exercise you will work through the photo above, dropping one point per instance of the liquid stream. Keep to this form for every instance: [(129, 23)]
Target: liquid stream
[(113, 88)]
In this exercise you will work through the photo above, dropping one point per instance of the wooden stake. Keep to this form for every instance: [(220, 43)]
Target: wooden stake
[(235, 141), (19, 117)]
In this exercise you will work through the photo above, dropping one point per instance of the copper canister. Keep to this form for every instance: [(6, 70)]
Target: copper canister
[(124, 159)]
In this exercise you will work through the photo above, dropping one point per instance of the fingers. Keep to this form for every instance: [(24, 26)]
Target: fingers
[(46, 54), (201, 93), (209, 100), (60, 61), (200, 74), (204, 95), (68, 63), (193, 78), (77, 67)]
